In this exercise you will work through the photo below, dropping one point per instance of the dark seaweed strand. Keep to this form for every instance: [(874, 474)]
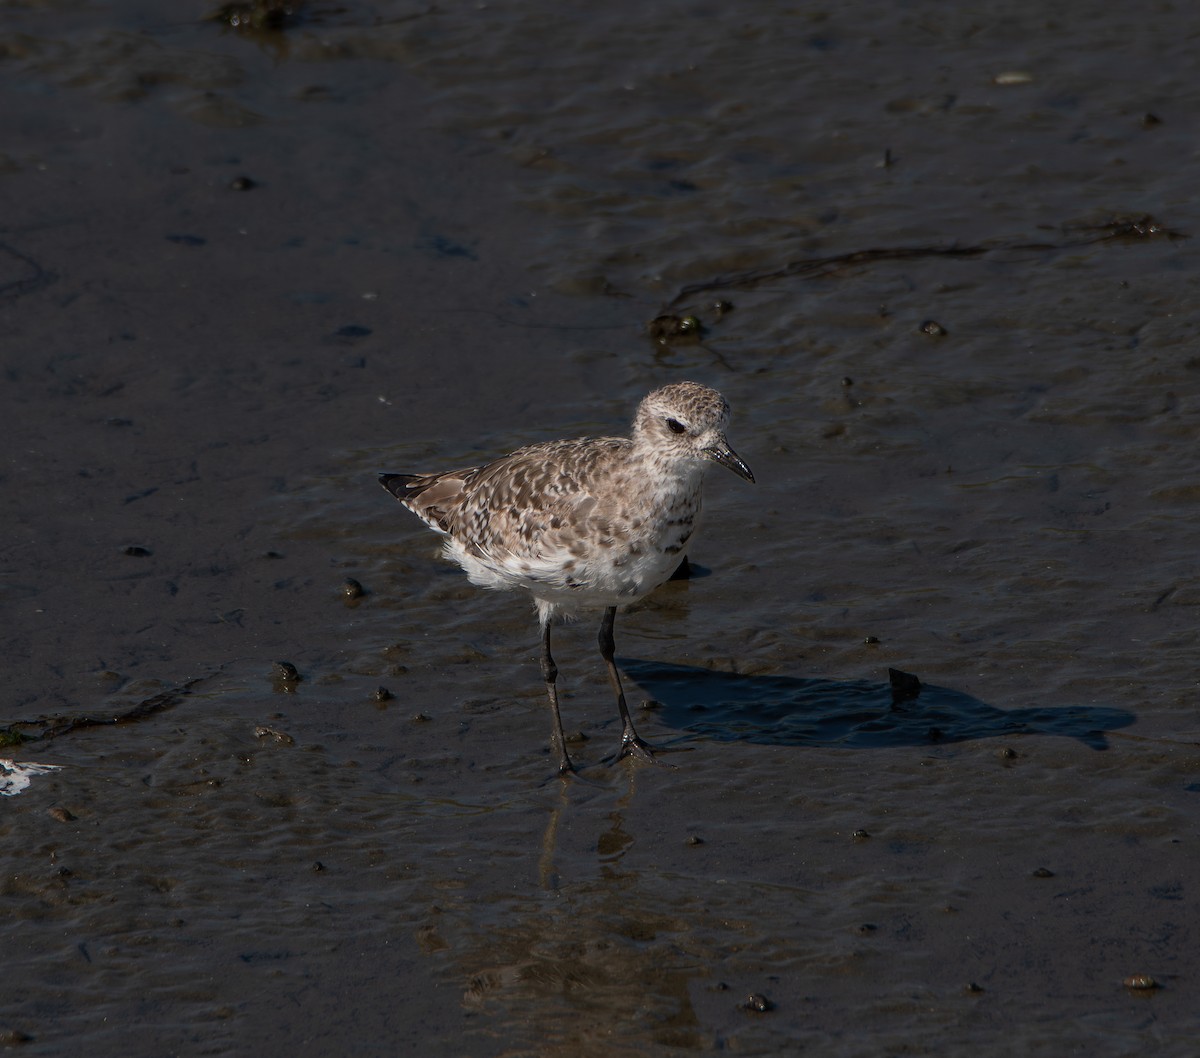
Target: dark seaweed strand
[(1138, 228), (56, 726)]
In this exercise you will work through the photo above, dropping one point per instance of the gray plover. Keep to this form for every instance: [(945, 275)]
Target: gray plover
[(592, 523)]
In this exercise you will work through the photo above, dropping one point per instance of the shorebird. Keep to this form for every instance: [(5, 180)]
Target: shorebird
[(592, 523)]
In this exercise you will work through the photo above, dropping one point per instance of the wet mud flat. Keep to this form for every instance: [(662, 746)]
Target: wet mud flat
[(943, 271)]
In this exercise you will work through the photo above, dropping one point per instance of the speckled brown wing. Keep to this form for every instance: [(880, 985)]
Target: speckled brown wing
[(523, 505), (533, 502)]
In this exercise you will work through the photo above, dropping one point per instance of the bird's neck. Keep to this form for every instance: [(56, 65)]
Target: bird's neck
[(666, 476)]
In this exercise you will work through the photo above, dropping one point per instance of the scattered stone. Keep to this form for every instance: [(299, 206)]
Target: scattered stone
[(273, 733), (285, 677), (757, 1003), (666, 329)]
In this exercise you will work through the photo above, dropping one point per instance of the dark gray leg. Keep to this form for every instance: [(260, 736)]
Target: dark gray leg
[(550, 675), (631, 744)]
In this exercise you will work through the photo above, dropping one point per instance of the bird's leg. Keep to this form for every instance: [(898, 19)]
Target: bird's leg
[(631, 744), (550, 675)]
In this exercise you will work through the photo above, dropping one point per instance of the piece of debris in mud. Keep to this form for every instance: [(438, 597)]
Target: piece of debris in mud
[(256, 16), (670, 329)]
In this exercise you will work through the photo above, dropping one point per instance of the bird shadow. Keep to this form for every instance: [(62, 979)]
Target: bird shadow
[(858, 714)]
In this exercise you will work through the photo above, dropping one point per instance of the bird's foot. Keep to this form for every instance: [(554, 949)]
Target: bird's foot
[(564, 771), (566, 767), (632, 745)]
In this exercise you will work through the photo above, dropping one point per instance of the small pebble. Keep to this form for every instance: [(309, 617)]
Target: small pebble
[(972, 988), (62, 814), (352, 589), (382, 694), (1140, 983), (757, 1003), (860, 835), (285, 677), (262, 731), (1043, 872), (932, 327), (134, 551), (694, 839)]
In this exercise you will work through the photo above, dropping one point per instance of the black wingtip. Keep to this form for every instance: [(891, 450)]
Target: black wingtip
[(396, 484)]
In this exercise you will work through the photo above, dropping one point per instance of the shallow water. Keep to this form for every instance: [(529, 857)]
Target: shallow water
[(459, 223)]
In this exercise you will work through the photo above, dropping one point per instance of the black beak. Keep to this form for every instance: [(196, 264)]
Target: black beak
[(727, 457)]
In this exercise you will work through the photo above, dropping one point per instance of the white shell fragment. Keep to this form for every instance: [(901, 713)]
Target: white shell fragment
[(15, 777)]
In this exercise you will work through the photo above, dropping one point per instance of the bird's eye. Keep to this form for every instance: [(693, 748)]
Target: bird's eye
[(675, 426)]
